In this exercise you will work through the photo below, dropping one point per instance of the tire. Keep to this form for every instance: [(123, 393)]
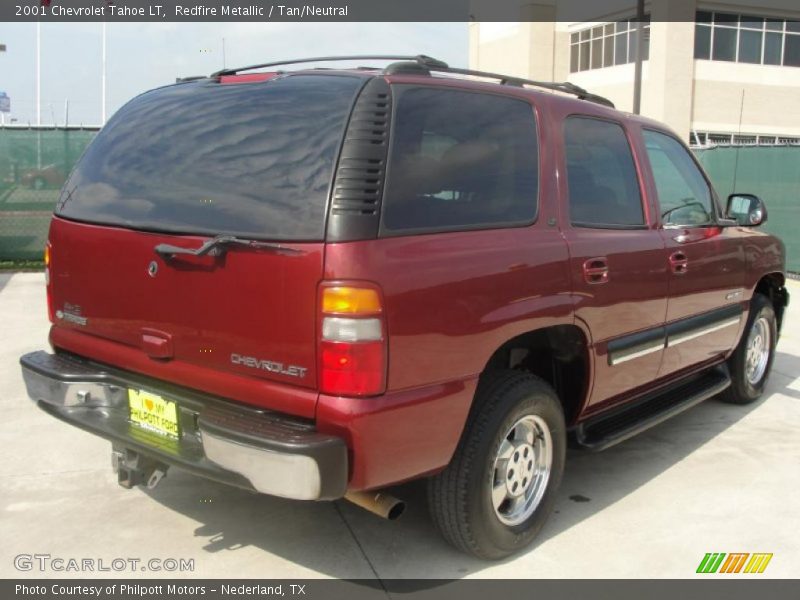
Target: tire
[(460, 498), (748, 379)]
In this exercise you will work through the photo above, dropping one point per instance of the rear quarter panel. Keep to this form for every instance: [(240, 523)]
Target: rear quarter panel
[(452, 299)]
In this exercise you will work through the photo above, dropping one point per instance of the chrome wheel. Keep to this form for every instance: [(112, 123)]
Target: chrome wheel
[(758, 349), (521, 470)]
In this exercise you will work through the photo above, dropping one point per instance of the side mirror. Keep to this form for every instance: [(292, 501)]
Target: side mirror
[(747, 210)]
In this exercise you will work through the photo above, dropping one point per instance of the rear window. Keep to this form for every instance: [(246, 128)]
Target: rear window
[(254, 160), (460, 160)]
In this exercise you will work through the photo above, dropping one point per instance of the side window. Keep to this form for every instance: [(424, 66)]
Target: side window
[(460, 160), (601, 176), (683, 193)]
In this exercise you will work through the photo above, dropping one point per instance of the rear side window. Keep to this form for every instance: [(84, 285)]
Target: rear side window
[(460, 160), (601, 176), (684, 196), (254, 160)]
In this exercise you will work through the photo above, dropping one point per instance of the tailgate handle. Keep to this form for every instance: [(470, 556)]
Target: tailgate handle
[(156, 344)]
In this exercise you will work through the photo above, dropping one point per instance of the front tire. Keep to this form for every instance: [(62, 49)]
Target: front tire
[(500, 486), (751, 362)]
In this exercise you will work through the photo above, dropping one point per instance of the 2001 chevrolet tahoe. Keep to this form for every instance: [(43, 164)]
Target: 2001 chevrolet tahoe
[(319, 283)]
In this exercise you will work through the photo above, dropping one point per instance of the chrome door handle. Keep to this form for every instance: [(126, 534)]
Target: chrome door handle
[(678, 263), (595, 270)]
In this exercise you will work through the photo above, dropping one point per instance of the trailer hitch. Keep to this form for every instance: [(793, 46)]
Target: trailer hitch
[(132, 468)]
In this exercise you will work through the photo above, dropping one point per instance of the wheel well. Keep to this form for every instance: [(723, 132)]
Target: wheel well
[(772, 286), (558, 354)]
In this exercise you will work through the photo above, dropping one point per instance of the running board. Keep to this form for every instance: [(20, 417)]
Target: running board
[(617, 425)]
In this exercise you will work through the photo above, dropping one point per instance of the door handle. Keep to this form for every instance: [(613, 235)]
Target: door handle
[(595, 270), (678, 263)]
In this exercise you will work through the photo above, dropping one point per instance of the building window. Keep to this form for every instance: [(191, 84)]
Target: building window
[(746, 39), (708, 138), (607, 45)]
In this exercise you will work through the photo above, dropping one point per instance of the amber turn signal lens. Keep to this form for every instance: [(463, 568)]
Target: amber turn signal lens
[(47, 254), (350, 300)]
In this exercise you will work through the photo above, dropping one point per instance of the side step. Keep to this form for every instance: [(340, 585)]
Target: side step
[(618, 424)]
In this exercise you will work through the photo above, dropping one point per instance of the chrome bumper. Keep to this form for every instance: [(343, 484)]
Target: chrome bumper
[(260, 450)]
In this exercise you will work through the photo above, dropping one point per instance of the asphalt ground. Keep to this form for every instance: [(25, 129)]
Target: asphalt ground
[(717, 478)]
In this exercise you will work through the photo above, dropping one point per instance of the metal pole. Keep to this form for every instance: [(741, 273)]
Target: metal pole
[(738, 144), (103, 80), (2, 114), (38, 94), (66, 113), (637, 60), (38, 73)]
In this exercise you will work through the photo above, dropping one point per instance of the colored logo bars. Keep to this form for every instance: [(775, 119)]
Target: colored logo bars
[(736, 562)]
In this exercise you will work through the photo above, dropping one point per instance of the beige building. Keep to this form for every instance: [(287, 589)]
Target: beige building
[(715, 72)]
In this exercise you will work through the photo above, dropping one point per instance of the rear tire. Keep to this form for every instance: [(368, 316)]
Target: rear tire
[(751, 362), (500, 486)]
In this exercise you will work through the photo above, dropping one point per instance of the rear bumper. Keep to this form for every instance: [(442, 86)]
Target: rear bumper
[(238, 445)]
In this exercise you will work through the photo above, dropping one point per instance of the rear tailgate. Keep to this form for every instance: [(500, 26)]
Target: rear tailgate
[(249, 311), (181, 165)]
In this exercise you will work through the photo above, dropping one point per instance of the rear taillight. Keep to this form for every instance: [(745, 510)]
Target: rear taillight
[(48, 250), (352, 347)]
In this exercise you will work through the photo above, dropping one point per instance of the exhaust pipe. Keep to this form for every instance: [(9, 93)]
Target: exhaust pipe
[(379, 503)]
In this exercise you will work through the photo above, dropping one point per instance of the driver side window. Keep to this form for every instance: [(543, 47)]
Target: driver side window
[(683, 193)]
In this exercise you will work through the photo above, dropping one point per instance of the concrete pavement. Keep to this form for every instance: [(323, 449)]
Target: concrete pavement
[(717, 478)]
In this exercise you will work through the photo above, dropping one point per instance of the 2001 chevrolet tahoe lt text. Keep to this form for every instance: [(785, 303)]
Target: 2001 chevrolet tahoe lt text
[(319, 283)]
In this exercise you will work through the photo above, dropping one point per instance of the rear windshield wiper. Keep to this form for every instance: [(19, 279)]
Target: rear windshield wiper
[(217, 246)]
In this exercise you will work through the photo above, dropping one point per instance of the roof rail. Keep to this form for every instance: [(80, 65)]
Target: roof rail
[(419, 58), (432, 64), (565, 87)]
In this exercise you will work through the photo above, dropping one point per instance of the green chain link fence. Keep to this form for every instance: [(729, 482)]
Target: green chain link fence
[(34, 164), (770, 172)]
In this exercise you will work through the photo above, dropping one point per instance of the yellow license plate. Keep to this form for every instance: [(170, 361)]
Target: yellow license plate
[(153, 412)]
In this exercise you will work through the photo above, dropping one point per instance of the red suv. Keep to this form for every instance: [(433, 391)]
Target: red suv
[(319, 283)]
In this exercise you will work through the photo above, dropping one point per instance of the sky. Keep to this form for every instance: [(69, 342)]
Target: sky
[(141, 56)]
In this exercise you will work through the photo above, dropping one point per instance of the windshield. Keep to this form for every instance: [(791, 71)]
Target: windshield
[(253, 160)]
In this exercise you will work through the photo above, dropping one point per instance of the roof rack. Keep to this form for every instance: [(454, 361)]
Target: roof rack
[(419, 58), (565, 87), (427, 63)]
